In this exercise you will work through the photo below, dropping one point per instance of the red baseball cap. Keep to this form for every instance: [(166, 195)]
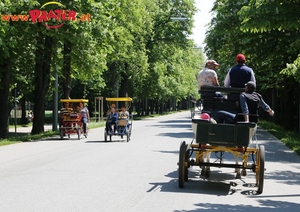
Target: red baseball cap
[(240, 58)]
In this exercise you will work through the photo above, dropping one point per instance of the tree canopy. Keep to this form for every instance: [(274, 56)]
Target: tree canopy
[(110, 47), (266, 32)]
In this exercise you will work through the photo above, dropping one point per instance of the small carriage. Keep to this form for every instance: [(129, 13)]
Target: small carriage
[(123, 123), (212, 137), (71, 118)]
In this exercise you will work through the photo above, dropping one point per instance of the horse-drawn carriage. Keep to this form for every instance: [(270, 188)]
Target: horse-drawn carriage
[(212, 137)]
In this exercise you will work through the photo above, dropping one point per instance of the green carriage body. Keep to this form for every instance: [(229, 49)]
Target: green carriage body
[(223, 134)]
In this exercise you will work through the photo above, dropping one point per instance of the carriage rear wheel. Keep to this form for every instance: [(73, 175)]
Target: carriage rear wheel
[(260, 168), (129, 130), (182, 170), (128, 136), (187, 157), (105, 135)]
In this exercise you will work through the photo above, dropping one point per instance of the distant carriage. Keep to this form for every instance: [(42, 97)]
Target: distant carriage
[(71, 118), (124, 124)]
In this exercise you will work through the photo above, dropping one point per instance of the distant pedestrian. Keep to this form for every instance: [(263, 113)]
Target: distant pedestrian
[(30, 116), (85, 117)]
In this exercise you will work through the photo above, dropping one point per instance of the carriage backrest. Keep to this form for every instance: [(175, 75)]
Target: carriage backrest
[(223, 134)]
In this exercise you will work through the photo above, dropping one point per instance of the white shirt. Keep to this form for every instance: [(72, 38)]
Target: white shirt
[(205, 77)]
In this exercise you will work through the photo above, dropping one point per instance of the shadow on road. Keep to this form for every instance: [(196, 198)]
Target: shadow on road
[(266, 205), (219, 184)]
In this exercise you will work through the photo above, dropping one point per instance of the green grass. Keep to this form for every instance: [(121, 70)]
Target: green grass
[(26, 137), (23, 137), (289, 138)]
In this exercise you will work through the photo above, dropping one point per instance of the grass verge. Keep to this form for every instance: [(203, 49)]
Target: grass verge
[(290, 138), (25, 137)]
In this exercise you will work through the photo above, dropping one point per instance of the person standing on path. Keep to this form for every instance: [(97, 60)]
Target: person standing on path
[(85, 117)]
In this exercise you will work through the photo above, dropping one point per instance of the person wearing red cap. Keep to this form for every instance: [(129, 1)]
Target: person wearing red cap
[(239, 74), (208, 76)]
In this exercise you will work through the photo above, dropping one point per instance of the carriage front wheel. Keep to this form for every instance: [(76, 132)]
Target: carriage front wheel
[(61, 133), (128, 136), (79, 133), (260, 168)]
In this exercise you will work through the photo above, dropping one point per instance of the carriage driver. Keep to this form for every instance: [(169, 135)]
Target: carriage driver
[(112, 120), (249, 103)]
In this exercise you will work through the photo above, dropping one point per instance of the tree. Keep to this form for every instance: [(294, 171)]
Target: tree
[(252, 27), (14, 46)]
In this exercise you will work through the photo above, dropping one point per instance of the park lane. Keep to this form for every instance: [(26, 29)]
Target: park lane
[(141, 175)]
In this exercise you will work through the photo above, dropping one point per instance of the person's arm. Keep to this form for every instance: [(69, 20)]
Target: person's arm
[(243, 104), (109, 116), (215, 81), (88, 115), (252, 76), (266, 107), (244, 107), (116, 116), (227, 79)]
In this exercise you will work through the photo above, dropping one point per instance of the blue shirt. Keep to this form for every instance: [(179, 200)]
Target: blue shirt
[(113, 116), (238, 76)]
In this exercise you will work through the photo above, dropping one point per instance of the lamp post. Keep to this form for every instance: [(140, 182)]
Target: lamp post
[(15, 109), (55, 102), (55, 96)]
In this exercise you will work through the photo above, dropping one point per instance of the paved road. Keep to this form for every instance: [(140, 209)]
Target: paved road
[(91, 175)]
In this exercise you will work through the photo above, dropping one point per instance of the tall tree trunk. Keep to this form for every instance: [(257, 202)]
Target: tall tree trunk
[(42, 79), (5, 73), (67, 69), (124, 81)]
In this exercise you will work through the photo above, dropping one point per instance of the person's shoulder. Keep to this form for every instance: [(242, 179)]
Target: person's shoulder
[(247, 67), (258, 94), (200, 72)]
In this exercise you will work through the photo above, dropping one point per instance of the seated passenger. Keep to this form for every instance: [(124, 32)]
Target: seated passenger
[(112, 105), (208, 77), (66, 108), (112, 120), (124, 114), (239, 74), (249, 103)]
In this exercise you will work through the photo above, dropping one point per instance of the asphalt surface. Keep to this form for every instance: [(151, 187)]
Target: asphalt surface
[(139, 175)]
